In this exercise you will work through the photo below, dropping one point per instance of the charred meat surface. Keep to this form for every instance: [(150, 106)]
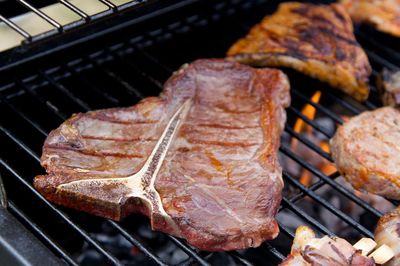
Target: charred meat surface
[(200, 160), (309, 250), (388, 232), (317, 40), (366, 151), (384, 15), (388, 84)]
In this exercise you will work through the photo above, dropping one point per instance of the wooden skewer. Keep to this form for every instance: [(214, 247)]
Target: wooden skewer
[(366, 245), (382, 255)]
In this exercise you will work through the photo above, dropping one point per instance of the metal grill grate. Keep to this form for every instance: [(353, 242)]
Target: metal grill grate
[(120, 74), (83, 18)]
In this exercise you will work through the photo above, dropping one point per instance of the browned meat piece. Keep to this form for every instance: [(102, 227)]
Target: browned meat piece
[(317, 40), (308, 250), (384, 15), (389, 87), (366, 151), (200, 160), (388, 232)]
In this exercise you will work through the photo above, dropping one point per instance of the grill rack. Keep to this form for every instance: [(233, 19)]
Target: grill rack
[(141, 48), (57, 28)]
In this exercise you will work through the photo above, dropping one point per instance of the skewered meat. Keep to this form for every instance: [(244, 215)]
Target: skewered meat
[(308, 250), (366, 151), (200, 160), (389, 87), (317, 40), (384, 15), (388, 232)]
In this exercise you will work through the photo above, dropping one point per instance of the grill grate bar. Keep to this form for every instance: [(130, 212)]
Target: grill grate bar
[(308, 143), (41, 100), (108, 3), (137, 243), (14, 209), (310, 220), (16, 28), (310, 122), (271, 250), (65, 91), (328, 206), (41, 14), (75, 9), (350, 107), (130, 89), (96, 90), (22, 115), (317, 106), (189, 251), (344, 191), (64, 217), (372, 55)]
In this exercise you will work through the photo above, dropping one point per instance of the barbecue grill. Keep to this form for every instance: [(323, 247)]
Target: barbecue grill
[(115, 58)]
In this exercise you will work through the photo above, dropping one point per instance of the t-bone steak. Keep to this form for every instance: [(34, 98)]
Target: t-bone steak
[(200, 160)]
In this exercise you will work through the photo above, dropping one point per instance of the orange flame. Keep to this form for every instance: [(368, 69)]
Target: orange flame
[(309, 112), (300, 126)]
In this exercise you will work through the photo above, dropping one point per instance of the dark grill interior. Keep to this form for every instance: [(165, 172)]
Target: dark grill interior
[(37, 97)]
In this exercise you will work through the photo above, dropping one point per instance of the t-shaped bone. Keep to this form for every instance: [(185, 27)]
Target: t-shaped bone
[(115, 191)]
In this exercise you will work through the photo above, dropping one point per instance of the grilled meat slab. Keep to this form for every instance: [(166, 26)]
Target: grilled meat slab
[(388, 84), (384, 15), (317, 40), (200, 160), (366, 151), (309, 250), (388, 232)]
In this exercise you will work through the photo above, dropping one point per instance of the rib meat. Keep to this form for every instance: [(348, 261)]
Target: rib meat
[(200, 160), (317, 40), (366, 151), (384, 15)]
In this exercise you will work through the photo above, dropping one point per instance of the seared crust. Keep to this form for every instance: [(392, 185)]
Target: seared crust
[(388, 232), (317, 40), (366, 151), (220, 182), (384, 15)]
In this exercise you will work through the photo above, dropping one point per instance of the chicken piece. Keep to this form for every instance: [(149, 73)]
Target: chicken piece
[(317, 40), (366, 151), (388, 84), (327, 251), (388, 232), (384, 15)]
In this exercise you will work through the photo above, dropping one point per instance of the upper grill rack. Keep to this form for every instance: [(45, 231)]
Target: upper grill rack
[(135, 68), (109, 8)]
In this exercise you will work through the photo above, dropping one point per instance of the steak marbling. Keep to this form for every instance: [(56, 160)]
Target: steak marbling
[(200, 160)]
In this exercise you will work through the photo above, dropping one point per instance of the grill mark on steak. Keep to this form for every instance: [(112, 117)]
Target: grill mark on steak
[(95, 152), (124, 122), (138, 139), (221, 143), (224, 126)]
